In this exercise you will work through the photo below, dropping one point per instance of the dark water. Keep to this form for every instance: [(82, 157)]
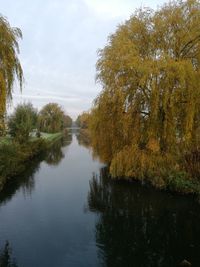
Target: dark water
[(65, 212)]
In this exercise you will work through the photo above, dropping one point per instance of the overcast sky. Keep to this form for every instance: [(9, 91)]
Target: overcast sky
[(59, 46)]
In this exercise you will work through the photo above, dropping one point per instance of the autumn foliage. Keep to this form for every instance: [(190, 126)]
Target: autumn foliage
[(146, 120), (10, 67)]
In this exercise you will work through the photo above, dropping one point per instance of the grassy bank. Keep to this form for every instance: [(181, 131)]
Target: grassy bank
[(14, 157), (51, 138), (5, 140)]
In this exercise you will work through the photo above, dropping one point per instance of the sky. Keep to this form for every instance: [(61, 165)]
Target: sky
[(58, 51)]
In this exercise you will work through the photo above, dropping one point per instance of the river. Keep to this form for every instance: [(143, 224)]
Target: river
[(65, 211)]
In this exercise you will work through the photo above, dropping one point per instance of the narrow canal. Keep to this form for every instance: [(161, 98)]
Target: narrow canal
[(65, 212)]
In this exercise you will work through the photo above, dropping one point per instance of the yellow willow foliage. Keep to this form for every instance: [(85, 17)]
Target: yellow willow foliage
[(2, 103), (150, 73), (9, 64), (140, 164)]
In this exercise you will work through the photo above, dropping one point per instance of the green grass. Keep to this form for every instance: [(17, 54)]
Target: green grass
[(5, 140), (49, 137)]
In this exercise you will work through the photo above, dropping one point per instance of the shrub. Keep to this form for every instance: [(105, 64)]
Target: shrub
[(13, 157), (180, 182), (22, 122)]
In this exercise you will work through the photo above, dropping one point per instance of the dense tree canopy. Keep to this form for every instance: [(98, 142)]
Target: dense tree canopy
[(22, 122), (149, 109), (51, 118), (10, 67)]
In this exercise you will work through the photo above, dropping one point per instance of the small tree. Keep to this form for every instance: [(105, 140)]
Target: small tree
[(51, 118), (22, 122)]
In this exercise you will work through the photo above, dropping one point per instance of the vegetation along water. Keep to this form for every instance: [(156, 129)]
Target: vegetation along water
[(145, 123), (58, 214), (72, 193)]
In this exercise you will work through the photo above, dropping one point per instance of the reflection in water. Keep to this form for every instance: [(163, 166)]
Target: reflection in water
[(54, 154), (6, 257), (141, 227), (25, 180), (83, 140)]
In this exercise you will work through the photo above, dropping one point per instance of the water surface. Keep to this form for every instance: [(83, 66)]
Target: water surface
[(65, 211)]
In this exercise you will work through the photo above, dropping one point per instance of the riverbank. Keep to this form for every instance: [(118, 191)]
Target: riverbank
[(51, 138), (177, 184), (48, 137), (159, 176), (14, 157)]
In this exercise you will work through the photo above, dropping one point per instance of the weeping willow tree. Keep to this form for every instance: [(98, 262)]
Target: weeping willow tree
[(51, 118), (10, 67), (149, 109)]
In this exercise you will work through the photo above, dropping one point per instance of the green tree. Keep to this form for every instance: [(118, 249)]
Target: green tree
[(51, 118), (10, 67), (22, 122), (148, 111)]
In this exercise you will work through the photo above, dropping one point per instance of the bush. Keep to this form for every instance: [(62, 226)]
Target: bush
[(13, 157), (22, 122), (180, 182), (10, 157)]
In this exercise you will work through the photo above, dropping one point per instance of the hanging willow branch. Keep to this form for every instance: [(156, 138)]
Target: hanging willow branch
[(10, 67), (154, 103)]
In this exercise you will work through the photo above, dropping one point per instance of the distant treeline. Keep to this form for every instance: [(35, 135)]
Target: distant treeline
[(29, 134), (25, 119)]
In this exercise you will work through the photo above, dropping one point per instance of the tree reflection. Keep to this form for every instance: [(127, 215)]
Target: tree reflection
[(138, 226), (54, 154), (83, 139), (26, 180), (6, 257)]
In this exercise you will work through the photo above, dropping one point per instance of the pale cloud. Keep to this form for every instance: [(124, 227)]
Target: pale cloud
[(118, 8), (113, 8)]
